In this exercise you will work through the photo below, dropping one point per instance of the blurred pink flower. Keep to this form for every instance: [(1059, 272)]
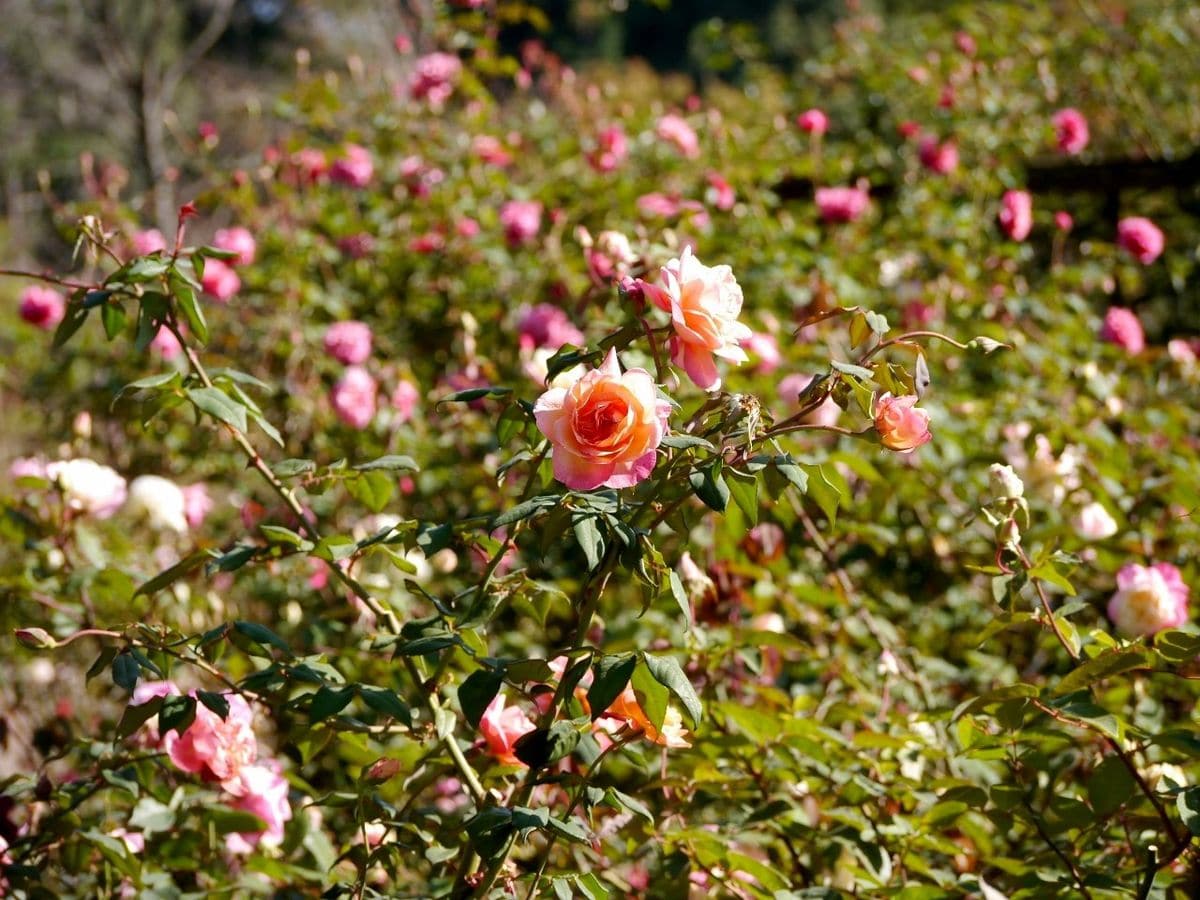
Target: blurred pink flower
[(842, 204), (466, 227), (262, 791), (429, 242), (348, 342), (353, 397), (917, 314), (434, 78), (310, 165), (521, 219), (1016, 214), (219, 280), (357, 246), (1123, 328), (1148, 599), (354, 167), (792, 386), (813, 121), (42, 306), (720, 193), (27, 467), (611, 149), (1141, 238), (901, 426), (940, 157), (88, 487), (965, 43), (1063, 221), (148, 241), (1071, 131), (166, 344), (237, 240), (197, 504), (404, 399), (762, 345), (674, 129), (545, 325), (501, 726), (656, 204), (490, 150), (217, 749)]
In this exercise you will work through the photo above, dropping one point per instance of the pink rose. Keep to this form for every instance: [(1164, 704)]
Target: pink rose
[(521, 220), (605, 426), (27, 467), (1183, 350), (354, 167), (1148, 599), (149, 241), (813, 121), (965, 43), (1094, 522), (310, 164), (353, 397), (217, 749), (656, 204), (790, 389), (166, 344), (490, 150), (674, 129), (938, 157), (466, 227), (766, 349), (42, 306), (429, 242), (1063, 221), (1122, 327), (611, 149), (219, 280), (237, 240), (262, 791), (1016, 214), (704, 303), (842, 204), (348, 342), (434, 78), (720, 193), (1071, 130), (1141, 238), (404, 399), (545, 325), (197, 504), (501, 726), (901, 426)]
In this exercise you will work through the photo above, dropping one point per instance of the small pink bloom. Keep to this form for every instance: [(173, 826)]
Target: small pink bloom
[(940, 157), (490, 150), (219, 280), (1016, 214), (790, 389), (501, 726), (1148, 599), (404, 399), (197, 504), (901, 426), (1123, 328), (434, 78), (965, 43), (42, 306), (908, 129), (1183, 351), (148, 241), (217, 749), (842, 204), (357, 246), (674, 129), (166, 344), (545, 325), (208, 132), (1063, 221), (918, 314), (237, 240), (656, 204), (766, 349), (521, 220), (611, 149), (348, 342), (310, 164), (353, 397), (1141, 238), (947, 98), (1071, 131), (262, 791), (605, 426), (466, 227), (429, 242), (813, 121), (403, 44), (354, 167), (720, 193), (28, 467)]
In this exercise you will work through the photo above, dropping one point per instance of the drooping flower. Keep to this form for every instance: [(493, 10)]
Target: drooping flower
[(1016, 214), (901, 426), (605, 426), (1071, 131), (501, 726), (348, 342), (1123, 328), (161, 501), (88, 486), (353, 397), (674, 129), (704, 303), (1141, 238), (42, 306), (1148, 599), (237, 240), (842, 204)]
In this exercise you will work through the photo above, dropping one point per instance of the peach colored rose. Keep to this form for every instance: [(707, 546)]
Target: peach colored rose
[(1148, 599), (704, 303), (605, 426), (627, 709), (901, 426), (501, 726)]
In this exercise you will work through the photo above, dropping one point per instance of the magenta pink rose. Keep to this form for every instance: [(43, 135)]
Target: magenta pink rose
[(611, 149), (545, 325), (501, 726), (674, 129), (490, 150), (813, 121), (521, 220), (901, 426), (720, 192), (1071, 131), (1123, 328), (1016, 214), (217, 749), (148, 241), (1141, 238), (605, 426), (842, 204), (219, 280), (354, 167), (348, 342), (1148, 599), (262, 791), (237, 240), (42, 306), (434, 78), (940, 157), (353, 397), (1063, 221)]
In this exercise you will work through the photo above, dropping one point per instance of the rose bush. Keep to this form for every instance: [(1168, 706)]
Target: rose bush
[(518, 562)]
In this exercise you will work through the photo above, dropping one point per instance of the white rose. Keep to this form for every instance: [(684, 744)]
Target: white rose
[(161, 501), (1093, 523), (1008, 483), (88, 486)]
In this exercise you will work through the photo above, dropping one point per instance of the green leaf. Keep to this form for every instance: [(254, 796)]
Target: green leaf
[(635, 806), (276, 534), (851, 369), (261, 634), (610, 676), (177, 713), (525, 510), (1188, 804), (71, 323), (388, 703), (477, 691), (389, 463), (745, 494), (290, 468), (826, 489), (185, 298), (1106, 665), (215, 702), (113, 317), (125, 671), (652, 697), (328, 702), (1109, 786), (372, 489), (687, 442), (710, 487), (475, 394), (543, 746), (590, 540), (667, 672), (672, 585), (135, 717), (220, 406)]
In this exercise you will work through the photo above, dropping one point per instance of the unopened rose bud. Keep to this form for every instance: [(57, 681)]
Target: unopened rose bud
[(1007, 483), (36, 638), (383, 769), (82, 425), (1010, 533)]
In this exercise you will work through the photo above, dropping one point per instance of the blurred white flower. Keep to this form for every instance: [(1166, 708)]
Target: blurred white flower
[(161, 501)]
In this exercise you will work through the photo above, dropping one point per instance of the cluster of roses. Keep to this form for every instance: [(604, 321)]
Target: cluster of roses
[(354, 394), (225, 752)]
